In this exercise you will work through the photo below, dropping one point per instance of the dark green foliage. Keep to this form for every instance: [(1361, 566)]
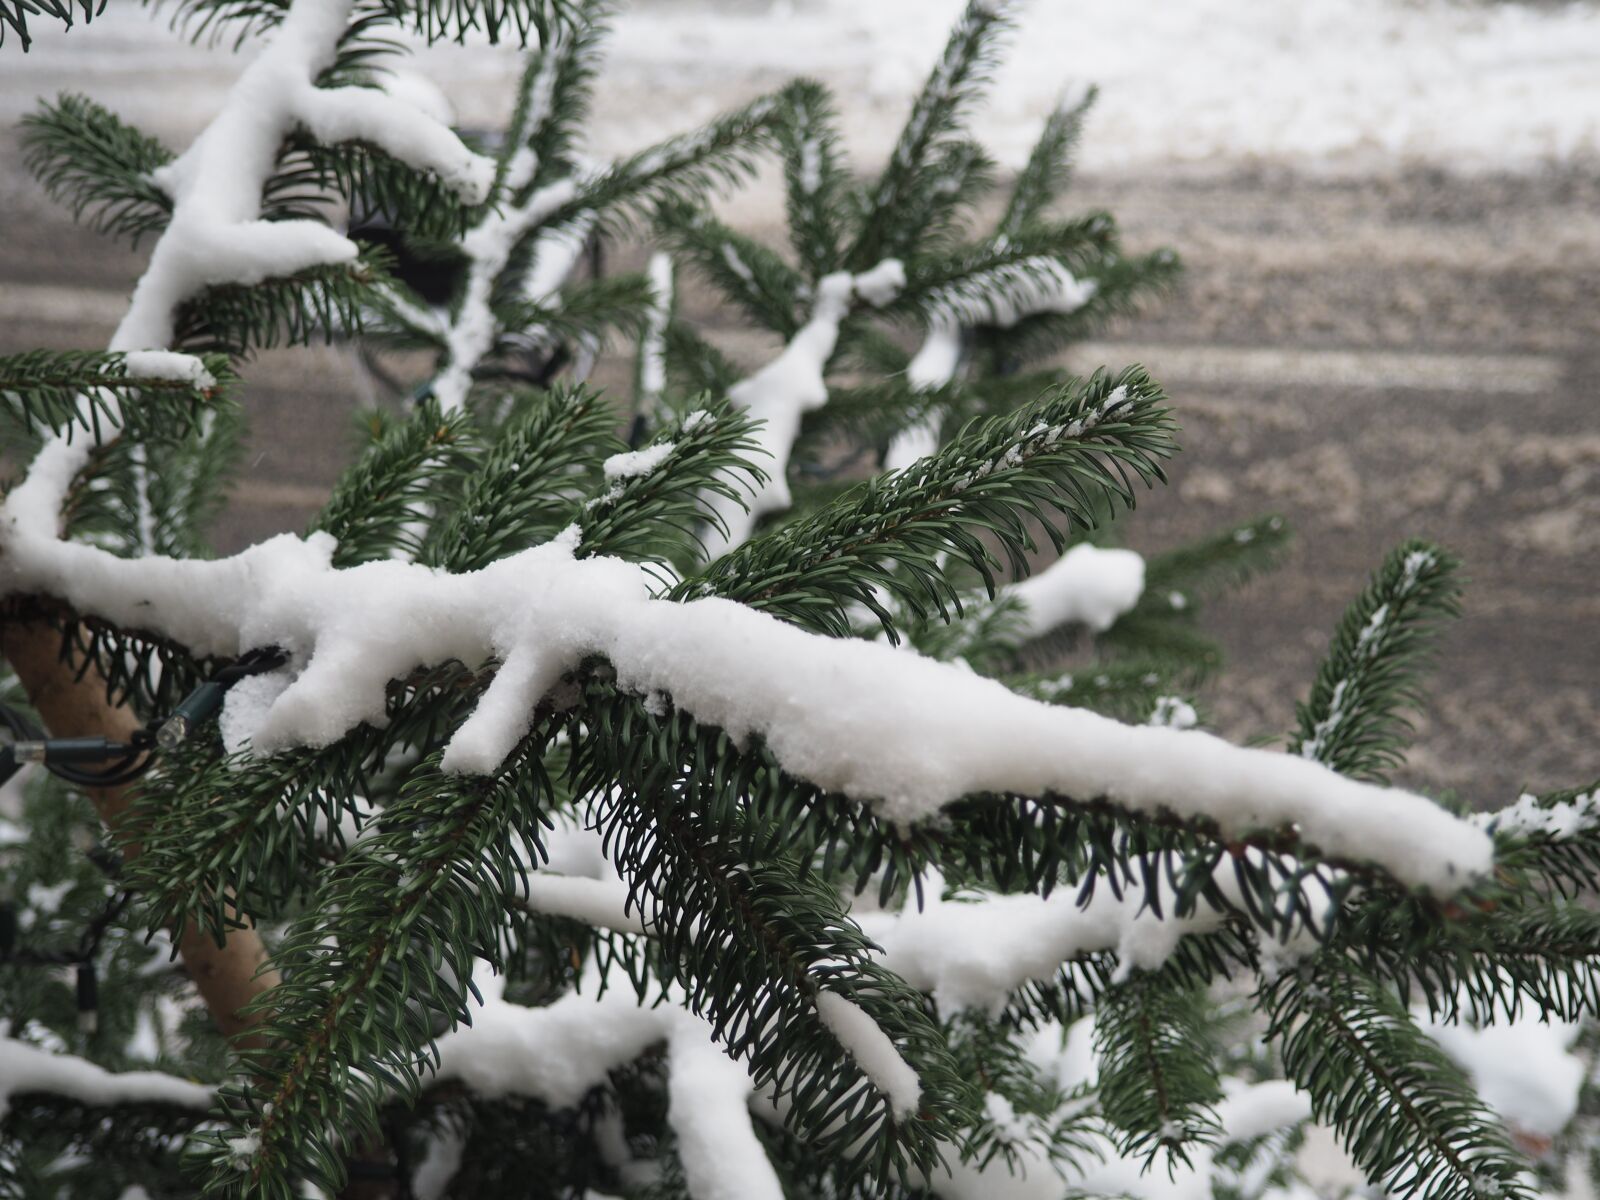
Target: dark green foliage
[(297, 309), (383, 501), (656, 516), (754, 276), (67, 391), (88, 159), (1406, 1113), (757, 942), (1088, 441), (530, 481), (1158, 1081), (1049, 167), (14, 15), (914, 164), (808, 135), (1354, 720), (414, 908)]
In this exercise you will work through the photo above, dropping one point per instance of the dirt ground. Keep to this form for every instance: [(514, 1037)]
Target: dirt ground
[(1372, 358)]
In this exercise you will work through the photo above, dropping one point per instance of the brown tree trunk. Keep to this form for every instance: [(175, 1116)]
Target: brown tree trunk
[(227, 976)]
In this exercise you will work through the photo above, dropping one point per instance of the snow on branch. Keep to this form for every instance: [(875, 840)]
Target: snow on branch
[(905, 734), (559, 1052), (975, 954), (1086, 586), (25, 1068), (216, 234), (787, 388)]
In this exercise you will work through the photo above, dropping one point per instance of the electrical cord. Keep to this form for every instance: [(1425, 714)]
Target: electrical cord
[(120, 763)]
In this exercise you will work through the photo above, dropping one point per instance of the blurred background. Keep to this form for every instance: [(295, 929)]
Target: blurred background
[(1389, 322)]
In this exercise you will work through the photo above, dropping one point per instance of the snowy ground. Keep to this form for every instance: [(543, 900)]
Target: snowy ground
[(1344, 85)]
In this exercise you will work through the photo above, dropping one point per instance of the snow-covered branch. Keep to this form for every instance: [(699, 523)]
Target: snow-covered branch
[(903, 733), (216, 234), (787, 388), (25, 1068)]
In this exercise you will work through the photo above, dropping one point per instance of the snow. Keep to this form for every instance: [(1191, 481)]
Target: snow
[(637, 463), (1174, 711), (488, 245), (167, 364), (708, 1108), (1006, 295), (602, 903), (1342, 84), (904, 733), (1528, 818), (25, 1068), (554, 1054), (653, 344), (1524, 1070), (973, 954), (215, 234), (1086, 586), (874, 1053), (788, 387)]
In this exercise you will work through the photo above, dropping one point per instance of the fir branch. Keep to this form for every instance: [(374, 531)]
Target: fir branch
[(1121, 284), (656, 497), (1353, 721), (1064, 453), (14, 15), (583, 312), (962, 70), (1224, 559), (695, 363), (807, 133), (750, 274), (1125, 688), (1550, 844), (392, 943), (1158, 1085), (998, 281), (554, 93), (326, 301), (90, 160), (1049, 166), (530, 480), (681, 168), (69, 391), (674, 833), (381, 504), (1405, 1113)]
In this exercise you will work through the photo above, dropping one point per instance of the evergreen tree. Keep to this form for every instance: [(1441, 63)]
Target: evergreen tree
[(557, 816)]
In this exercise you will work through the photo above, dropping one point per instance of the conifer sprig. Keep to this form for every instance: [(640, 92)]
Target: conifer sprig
[(96, 164), (1354, 719), (1064, 454), (1405, 1112), (382, 504), (1158, 1084), (68, 392)]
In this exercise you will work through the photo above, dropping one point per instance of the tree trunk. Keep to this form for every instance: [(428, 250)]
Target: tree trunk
[(227, 976)]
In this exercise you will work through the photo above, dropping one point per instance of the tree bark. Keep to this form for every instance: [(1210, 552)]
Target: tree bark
[(228, 976)]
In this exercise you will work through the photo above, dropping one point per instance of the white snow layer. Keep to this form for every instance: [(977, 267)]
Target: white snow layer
[(25, 1068), (905, 733), (791, 385), (1085, 586), (1524, 1070), (215, 234), (1336, 82), (975, 954)]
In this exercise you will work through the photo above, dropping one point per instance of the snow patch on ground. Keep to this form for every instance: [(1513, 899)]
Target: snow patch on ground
[(1335, 83)]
